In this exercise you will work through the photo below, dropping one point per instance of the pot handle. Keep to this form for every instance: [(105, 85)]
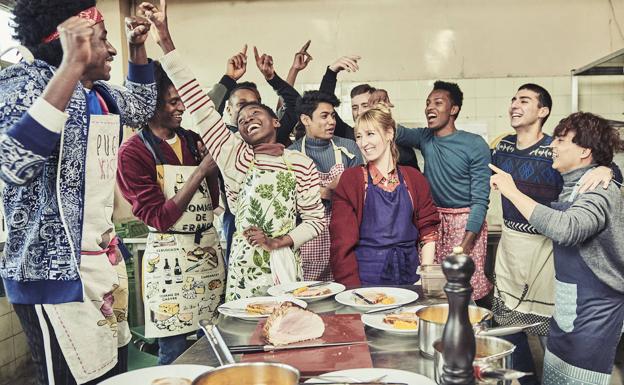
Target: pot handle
[(217, 343)]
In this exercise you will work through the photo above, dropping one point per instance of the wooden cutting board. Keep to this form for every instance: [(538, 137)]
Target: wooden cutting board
[(315, 361)]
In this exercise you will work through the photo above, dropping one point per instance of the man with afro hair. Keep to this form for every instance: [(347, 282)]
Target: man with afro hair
[(60, 128)]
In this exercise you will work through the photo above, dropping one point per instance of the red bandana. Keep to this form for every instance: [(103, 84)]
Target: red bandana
[(89, 14)]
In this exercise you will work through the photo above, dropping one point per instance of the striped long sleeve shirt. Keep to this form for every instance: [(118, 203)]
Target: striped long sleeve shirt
[(234, 156)]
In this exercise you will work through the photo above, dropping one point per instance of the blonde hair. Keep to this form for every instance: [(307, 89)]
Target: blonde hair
[(380, 119)]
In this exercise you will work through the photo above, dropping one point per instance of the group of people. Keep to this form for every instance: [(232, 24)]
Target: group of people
[(305, 197)]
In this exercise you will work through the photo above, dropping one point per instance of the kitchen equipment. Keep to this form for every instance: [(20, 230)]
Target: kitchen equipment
[(491, 353), (432, 320), (503, 330), (255, 373), (432, 280), (240, 349), (315, 361)]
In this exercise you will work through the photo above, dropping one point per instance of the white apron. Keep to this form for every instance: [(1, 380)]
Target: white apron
[(183, 270), (90, 332), (267, 199), (315, 253)]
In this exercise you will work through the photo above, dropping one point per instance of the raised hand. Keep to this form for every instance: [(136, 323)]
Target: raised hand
[(158, 18), (349, 63), (137, 29), (302, 58), (265, 64), (502, 181), (380, 97), (237, 64), (75, 34)]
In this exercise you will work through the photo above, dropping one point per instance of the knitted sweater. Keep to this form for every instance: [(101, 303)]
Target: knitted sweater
[(593, 223), (322, 152), (234, 157), (42, 162)]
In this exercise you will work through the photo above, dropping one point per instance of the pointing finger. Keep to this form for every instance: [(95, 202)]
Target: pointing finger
[(305, 47), (256, 53), (244, 51), (496, 169)]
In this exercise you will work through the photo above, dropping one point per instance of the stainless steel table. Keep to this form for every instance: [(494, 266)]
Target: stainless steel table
[(387, 350)]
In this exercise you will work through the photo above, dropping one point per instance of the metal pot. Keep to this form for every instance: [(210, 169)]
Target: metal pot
[(431, 321), (252, 373), (491, 352)]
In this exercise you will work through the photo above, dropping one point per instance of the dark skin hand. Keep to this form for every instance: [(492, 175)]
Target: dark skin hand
[(257, 237), (468, 241), (207, 169)]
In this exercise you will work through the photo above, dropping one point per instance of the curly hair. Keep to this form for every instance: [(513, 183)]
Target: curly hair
[(35, 19), (380, 119), (455, 93), (593, 132), (249, 86), (162, 84)]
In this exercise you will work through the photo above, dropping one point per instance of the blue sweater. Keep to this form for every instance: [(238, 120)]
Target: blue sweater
[(322, 152), (42, 162), (456, 167)]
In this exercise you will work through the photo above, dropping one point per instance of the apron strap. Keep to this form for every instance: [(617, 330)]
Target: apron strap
[(190, 143), (150, 142), (338, 151)]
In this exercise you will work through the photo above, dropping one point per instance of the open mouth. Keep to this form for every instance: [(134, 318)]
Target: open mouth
[(253, 127), (431, 117)]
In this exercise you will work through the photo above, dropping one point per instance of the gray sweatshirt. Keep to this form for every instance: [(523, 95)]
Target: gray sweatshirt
[(594, 223)]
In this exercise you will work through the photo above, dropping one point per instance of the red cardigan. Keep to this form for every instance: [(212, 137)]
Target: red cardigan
[(347, 210)]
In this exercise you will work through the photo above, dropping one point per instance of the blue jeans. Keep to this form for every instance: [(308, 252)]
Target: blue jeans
[(522, 357), (170, 348)]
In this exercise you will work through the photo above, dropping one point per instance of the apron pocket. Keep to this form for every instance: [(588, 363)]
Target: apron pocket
[(565, 305)]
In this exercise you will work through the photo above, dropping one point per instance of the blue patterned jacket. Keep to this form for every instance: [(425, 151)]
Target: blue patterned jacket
[(44, 173)]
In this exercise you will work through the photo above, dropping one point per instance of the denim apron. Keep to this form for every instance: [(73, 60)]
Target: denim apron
[(587, 324), (386, 253)]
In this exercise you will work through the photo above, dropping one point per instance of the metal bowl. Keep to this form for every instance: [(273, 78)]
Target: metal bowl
[(431, 321), (492, 352), (253, 373)]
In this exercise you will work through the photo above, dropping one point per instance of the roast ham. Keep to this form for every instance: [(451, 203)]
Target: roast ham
[(290, 323)]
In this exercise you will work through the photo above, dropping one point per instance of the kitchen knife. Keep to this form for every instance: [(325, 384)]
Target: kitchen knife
[(239, 349)]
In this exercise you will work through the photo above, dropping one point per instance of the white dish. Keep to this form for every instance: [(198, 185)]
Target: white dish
[(146, 376), (237, 308), (401, 297), (391, 375), (280, 290), (376, 321)]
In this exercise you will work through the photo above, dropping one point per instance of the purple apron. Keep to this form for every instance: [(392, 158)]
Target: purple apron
[(386, 253)]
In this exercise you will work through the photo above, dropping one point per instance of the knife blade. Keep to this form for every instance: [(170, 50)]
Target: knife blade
[(239, 349), (366, 300)]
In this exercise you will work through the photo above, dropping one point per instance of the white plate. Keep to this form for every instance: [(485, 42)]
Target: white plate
[(392, 375), (376, 321), (240, 305), (279, 290), (401, 296), (145, 376)]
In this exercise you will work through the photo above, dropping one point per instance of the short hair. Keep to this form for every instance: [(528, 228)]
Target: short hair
[(543, 97), (455, 93), (310, 100), (250, 86), (593, 132), (162, 84), (362, 89), (268, 109), (34, 20)]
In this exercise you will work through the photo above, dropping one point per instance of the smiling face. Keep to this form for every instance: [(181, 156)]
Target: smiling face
[(359, 104), (373, 141), (239, 98), (102, 54), (439, 109), (525, 110), (256, 125), (567, 155), (322, 123), (169, 114)]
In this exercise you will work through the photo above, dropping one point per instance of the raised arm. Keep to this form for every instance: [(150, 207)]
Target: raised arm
[(409, 137), (300, 62), (32, 112)]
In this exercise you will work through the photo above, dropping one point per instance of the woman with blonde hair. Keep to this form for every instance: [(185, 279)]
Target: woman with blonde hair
[(381, 212)]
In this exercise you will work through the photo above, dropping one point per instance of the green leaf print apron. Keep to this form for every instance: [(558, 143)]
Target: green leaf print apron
[(267, 199)]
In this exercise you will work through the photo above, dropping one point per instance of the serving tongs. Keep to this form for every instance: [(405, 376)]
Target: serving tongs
[(217, 343)]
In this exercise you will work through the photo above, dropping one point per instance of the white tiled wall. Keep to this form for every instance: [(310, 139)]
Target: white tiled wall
[(14, 351)]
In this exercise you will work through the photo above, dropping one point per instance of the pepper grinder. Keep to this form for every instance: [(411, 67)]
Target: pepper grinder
[(458, 337)]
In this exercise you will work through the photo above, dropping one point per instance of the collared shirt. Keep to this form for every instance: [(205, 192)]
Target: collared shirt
[(387, 184)]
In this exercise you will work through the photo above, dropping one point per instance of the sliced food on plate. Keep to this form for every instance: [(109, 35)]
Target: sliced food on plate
[(306, 291), (262, 308), (172, 381), (373, 298), (407, 320), (291, 323)]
